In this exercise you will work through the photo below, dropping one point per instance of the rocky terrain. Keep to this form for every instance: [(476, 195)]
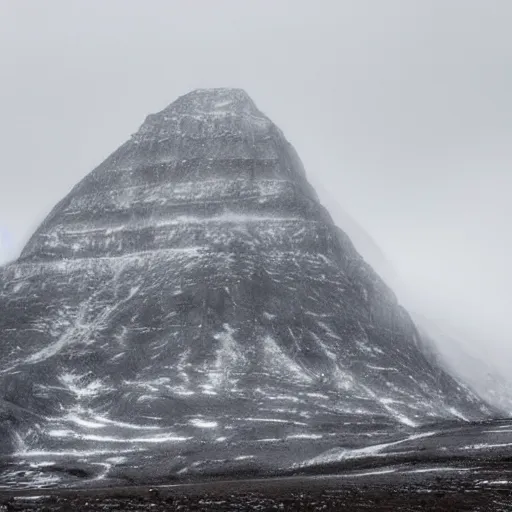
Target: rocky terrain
[(451, 468)]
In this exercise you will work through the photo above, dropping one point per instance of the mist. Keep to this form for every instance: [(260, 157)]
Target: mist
[(400, 110)]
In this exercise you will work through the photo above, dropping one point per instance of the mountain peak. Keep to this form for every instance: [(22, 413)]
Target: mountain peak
[(214, 100), (206, 113)]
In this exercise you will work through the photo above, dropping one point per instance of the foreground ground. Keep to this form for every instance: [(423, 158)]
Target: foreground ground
[(466, 467), (385, 489)]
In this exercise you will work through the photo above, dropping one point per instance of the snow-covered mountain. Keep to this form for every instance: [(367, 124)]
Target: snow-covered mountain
[(192, 288)]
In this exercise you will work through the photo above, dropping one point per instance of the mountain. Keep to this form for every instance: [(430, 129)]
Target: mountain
[(192, 289), (448, 349), (445, 344)]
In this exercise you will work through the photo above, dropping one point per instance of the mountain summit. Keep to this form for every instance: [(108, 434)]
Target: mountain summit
[(192, 289)]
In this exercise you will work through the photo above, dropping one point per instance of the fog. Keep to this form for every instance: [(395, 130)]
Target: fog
[(400, 110)]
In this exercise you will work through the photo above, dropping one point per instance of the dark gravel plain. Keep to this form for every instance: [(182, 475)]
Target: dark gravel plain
[(429, 491)]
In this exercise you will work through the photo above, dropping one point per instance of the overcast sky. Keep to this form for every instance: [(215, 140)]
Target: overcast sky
[(401, 109)]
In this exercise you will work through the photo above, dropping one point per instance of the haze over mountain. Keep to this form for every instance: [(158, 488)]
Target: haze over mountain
[(453, 348), (193, 289)]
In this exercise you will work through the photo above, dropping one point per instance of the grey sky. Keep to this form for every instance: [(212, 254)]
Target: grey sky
[(401, 110)]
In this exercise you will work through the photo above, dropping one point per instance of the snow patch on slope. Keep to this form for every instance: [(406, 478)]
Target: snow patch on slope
[(281, 363), (339, 454)]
